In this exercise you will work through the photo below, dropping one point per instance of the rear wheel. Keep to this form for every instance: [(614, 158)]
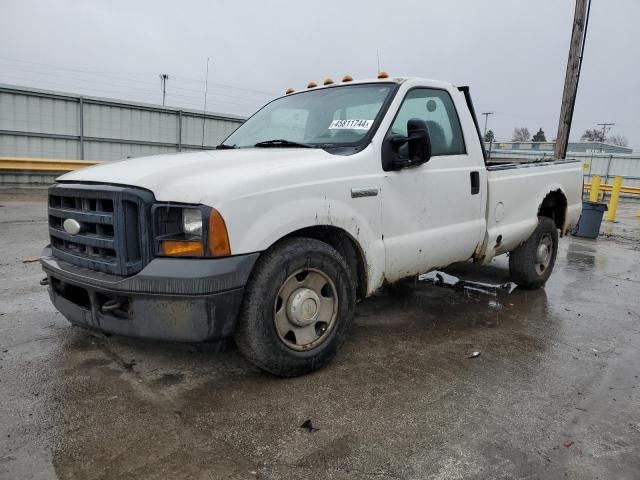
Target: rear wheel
[(532, 262), (297, 308)]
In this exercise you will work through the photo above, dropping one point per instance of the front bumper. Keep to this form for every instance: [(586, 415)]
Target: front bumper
[(185, 300)]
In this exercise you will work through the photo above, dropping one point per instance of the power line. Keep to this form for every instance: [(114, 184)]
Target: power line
[(111, 88), (137, 95), (72, 69), (110, 84), (100, 91), (91, 81), (116, 77)]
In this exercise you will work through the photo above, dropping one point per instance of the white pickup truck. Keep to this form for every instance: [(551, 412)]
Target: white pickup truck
[(318, 200)]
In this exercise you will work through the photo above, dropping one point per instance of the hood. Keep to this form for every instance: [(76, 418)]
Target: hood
[(213, 175)]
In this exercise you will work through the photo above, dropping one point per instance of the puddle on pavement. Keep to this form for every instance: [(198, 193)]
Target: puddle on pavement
[(440, 304), (586, 258)]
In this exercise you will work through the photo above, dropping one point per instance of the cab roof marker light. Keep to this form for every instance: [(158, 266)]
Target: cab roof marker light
[(289, 91), (347, 78), (383, 74), (312, 85), (327, 81)]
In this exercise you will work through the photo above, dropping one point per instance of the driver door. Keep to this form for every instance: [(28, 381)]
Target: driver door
[(432, 214)]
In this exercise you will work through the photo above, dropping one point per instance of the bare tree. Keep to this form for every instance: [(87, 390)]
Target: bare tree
[(521, 135), (618, 140), (593, 135)]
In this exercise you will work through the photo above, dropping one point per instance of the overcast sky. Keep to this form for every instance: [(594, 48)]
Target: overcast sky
[(512, 53)]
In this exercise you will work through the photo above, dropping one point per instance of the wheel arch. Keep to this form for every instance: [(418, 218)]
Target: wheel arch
[(554, 206), (344, 243)]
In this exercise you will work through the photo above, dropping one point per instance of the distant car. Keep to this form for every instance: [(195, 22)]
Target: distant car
[(317, 200)]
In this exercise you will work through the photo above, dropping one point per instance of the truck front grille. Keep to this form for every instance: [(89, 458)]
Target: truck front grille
[(114, 224)]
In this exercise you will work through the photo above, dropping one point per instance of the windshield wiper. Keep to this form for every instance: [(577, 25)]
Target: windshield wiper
[(223, 146), (282, 143)]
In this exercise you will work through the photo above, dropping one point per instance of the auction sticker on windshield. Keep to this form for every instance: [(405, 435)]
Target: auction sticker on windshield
[(351, 124)]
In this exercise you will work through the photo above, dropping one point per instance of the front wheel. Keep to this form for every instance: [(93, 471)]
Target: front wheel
[(298, 305), (532, 262)]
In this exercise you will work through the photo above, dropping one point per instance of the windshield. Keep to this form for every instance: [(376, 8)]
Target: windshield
[(337, 116)]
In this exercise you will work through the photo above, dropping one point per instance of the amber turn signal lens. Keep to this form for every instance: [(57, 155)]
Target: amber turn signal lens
[(218, 237), (174, 248)]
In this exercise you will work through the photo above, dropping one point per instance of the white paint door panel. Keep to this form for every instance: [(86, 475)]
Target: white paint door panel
[(431, 217)]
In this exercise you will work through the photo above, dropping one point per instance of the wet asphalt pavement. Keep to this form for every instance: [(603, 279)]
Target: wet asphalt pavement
[(402, 400)]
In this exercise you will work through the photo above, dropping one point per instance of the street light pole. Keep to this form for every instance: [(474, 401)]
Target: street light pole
[(486, 118)]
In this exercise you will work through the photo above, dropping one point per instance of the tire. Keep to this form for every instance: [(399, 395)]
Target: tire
[(297, 309), (530, 266)]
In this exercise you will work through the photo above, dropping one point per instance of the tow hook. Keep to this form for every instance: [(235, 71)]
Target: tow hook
[(44, 282), (111, 305)]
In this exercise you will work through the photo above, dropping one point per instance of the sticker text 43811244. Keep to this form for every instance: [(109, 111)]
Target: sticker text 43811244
[(354, 124)]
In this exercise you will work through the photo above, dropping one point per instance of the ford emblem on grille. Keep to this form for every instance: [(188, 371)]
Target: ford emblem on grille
[(71, 226)]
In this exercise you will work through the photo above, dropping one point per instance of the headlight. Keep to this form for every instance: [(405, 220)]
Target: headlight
[(192, 222), (190, 231)]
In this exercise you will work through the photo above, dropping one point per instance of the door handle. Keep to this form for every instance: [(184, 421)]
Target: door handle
[(475, 182), (364, 192)]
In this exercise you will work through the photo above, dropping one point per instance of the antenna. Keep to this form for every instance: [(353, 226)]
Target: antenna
[(378, 56), (204, 108)]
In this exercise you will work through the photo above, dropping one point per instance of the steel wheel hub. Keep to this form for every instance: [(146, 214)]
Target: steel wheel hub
[(305, 309), (544, 253)]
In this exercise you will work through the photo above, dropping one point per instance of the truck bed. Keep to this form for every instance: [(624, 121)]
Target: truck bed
[(516, 192)]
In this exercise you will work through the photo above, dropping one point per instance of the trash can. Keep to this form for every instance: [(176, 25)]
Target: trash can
[(590, 220)]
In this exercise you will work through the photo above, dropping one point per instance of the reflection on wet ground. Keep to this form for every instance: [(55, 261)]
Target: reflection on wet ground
[(402, 400)]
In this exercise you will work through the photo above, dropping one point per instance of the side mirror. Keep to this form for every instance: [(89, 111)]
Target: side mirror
[(419, 141), (418, 151)]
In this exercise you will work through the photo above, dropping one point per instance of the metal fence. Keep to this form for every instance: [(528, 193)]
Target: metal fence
[(42, 124), (607, 166)]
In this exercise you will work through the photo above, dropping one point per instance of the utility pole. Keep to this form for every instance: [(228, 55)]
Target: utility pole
[(604, 129), (163, 82), (486, 118), (572, 76)]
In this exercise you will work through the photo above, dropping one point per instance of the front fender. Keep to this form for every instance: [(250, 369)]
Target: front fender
[(254, 228)]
